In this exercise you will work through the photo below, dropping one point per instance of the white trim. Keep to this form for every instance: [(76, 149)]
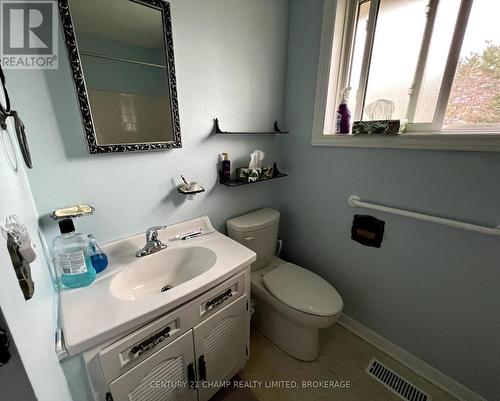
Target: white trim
[(367, 58), (324, 65), (423, 369), (346, 29), (470, 142), (491, 128), (334, 62)]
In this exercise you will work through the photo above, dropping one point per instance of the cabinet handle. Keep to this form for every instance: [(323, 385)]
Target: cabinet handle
[(191, 377), (150, 342), (218, 300), (202, 368)]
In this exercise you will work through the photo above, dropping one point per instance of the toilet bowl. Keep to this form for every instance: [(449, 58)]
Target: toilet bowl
[(291, 303)]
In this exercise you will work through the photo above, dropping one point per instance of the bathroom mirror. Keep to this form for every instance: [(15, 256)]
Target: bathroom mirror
[(122, 60)]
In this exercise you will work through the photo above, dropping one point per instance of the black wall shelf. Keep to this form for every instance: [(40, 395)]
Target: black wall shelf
[(237, 183), (276, 130)]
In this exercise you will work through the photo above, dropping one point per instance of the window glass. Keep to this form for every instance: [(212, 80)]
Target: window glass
[(397, 42), (398, 59), (442, 33), (475, 94)]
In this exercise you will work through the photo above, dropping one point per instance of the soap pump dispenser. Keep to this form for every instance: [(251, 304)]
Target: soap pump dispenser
[(71, 256), (343, 114)]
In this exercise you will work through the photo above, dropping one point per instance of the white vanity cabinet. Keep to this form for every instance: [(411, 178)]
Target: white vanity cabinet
[(156, 377), (179, 355), (221, 346)]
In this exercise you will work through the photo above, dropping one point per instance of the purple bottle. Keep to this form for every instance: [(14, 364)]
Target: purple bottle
[(343, 114)]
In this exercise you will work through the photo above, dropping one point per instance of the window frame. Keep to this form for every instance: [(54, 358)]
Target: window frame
[(336, 47)]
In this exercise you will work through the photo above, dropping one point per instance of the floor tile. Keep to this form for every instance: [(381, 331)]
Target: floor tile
[(344, 357)]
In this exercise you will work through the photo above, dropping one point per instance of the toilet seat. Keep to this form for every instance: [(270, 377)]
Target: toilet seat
[(303, 290)]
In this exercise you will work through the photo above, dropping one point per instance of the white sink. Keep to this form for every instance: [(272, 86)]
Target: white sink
[(128, 293), (162, 271)]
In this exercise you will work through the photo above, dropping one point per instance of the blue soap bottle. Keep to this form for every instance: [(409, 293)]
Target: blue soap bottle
[(71, 257), (98, 258)]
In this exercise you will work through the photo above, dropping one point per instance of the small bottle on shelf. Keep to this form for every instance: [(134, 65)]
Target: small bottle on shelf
[(226, 168), (343, 114)]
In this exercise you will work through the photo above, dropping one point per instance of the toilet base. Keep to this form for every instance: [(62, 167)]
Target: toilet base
[(297, 341)]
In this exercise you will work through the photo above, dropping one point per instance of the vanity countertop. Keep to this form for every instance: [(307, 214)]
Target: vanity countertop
[(93, 315)]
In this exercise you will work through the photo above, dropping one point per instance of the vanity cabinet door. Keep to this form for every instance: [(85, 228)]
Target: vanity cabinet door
[(164, 376), (221, 345)]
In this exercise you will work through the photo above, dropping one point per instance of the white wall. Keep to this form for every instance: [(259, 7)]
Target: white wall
[(432, 290), (31, 322)]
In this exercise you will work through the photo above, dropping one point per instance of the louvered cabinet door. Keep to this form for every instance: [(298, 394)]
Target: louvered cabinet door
[(221, 346), (164, 376)]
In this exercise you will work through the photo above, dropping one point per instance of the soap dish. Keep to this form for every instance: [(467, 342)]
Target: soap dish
[(192, 189), (72, 212)]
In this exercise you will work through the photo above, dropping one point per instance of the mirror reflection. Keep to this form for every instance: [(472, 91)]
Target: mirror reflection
[(123, 56)]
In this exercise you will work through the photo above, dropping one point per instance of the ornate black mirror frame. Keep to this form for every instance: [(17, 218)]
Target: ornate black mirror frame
[(81, 89)]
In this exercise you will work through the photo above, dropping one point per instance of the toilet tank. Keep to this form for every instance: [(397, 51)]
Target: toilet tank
[(258, 231)]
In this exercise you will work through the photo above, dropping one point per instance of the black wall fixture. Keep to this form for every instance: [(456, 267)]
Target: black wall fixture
[(6, 112), (367, 230), (276, 130)]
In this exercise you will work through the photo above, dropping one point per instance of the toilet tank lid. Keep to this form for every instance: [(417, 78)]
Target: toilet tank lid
[(254, 220)]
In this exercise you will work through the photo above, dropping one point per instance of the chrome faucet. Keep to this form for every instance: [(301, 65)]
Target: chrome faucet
[(153, 244)]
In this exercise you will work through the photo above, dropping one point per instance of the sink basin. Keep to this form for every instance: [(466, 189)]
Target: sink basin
[(129, 294), (157, 273)]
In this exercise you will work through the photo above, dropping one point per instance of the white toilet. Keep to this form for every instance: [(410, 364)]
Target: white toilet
[(291, 303)]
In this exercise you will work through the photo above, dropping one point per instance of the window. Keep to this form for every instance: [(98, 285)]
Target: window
[(432, 63)]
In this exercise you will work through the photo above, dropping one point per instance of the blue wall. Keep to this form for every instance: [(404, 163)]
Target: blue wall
[(432, 290), (230, 62)]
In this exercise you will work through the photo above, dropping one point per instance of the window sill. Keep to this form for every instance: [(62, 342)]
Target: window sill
[(466, 142)]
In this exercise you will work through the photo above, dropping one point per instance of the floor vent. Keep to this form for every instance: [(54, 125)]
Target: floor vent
[(394, 382)]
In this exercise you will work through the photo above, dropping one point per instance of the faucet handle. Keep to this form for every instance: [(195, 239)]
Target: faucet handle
[(152, 233)]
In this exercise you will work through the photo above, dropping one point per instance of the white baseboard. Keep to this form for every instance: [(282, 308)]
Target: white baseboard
[(426, 371)]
